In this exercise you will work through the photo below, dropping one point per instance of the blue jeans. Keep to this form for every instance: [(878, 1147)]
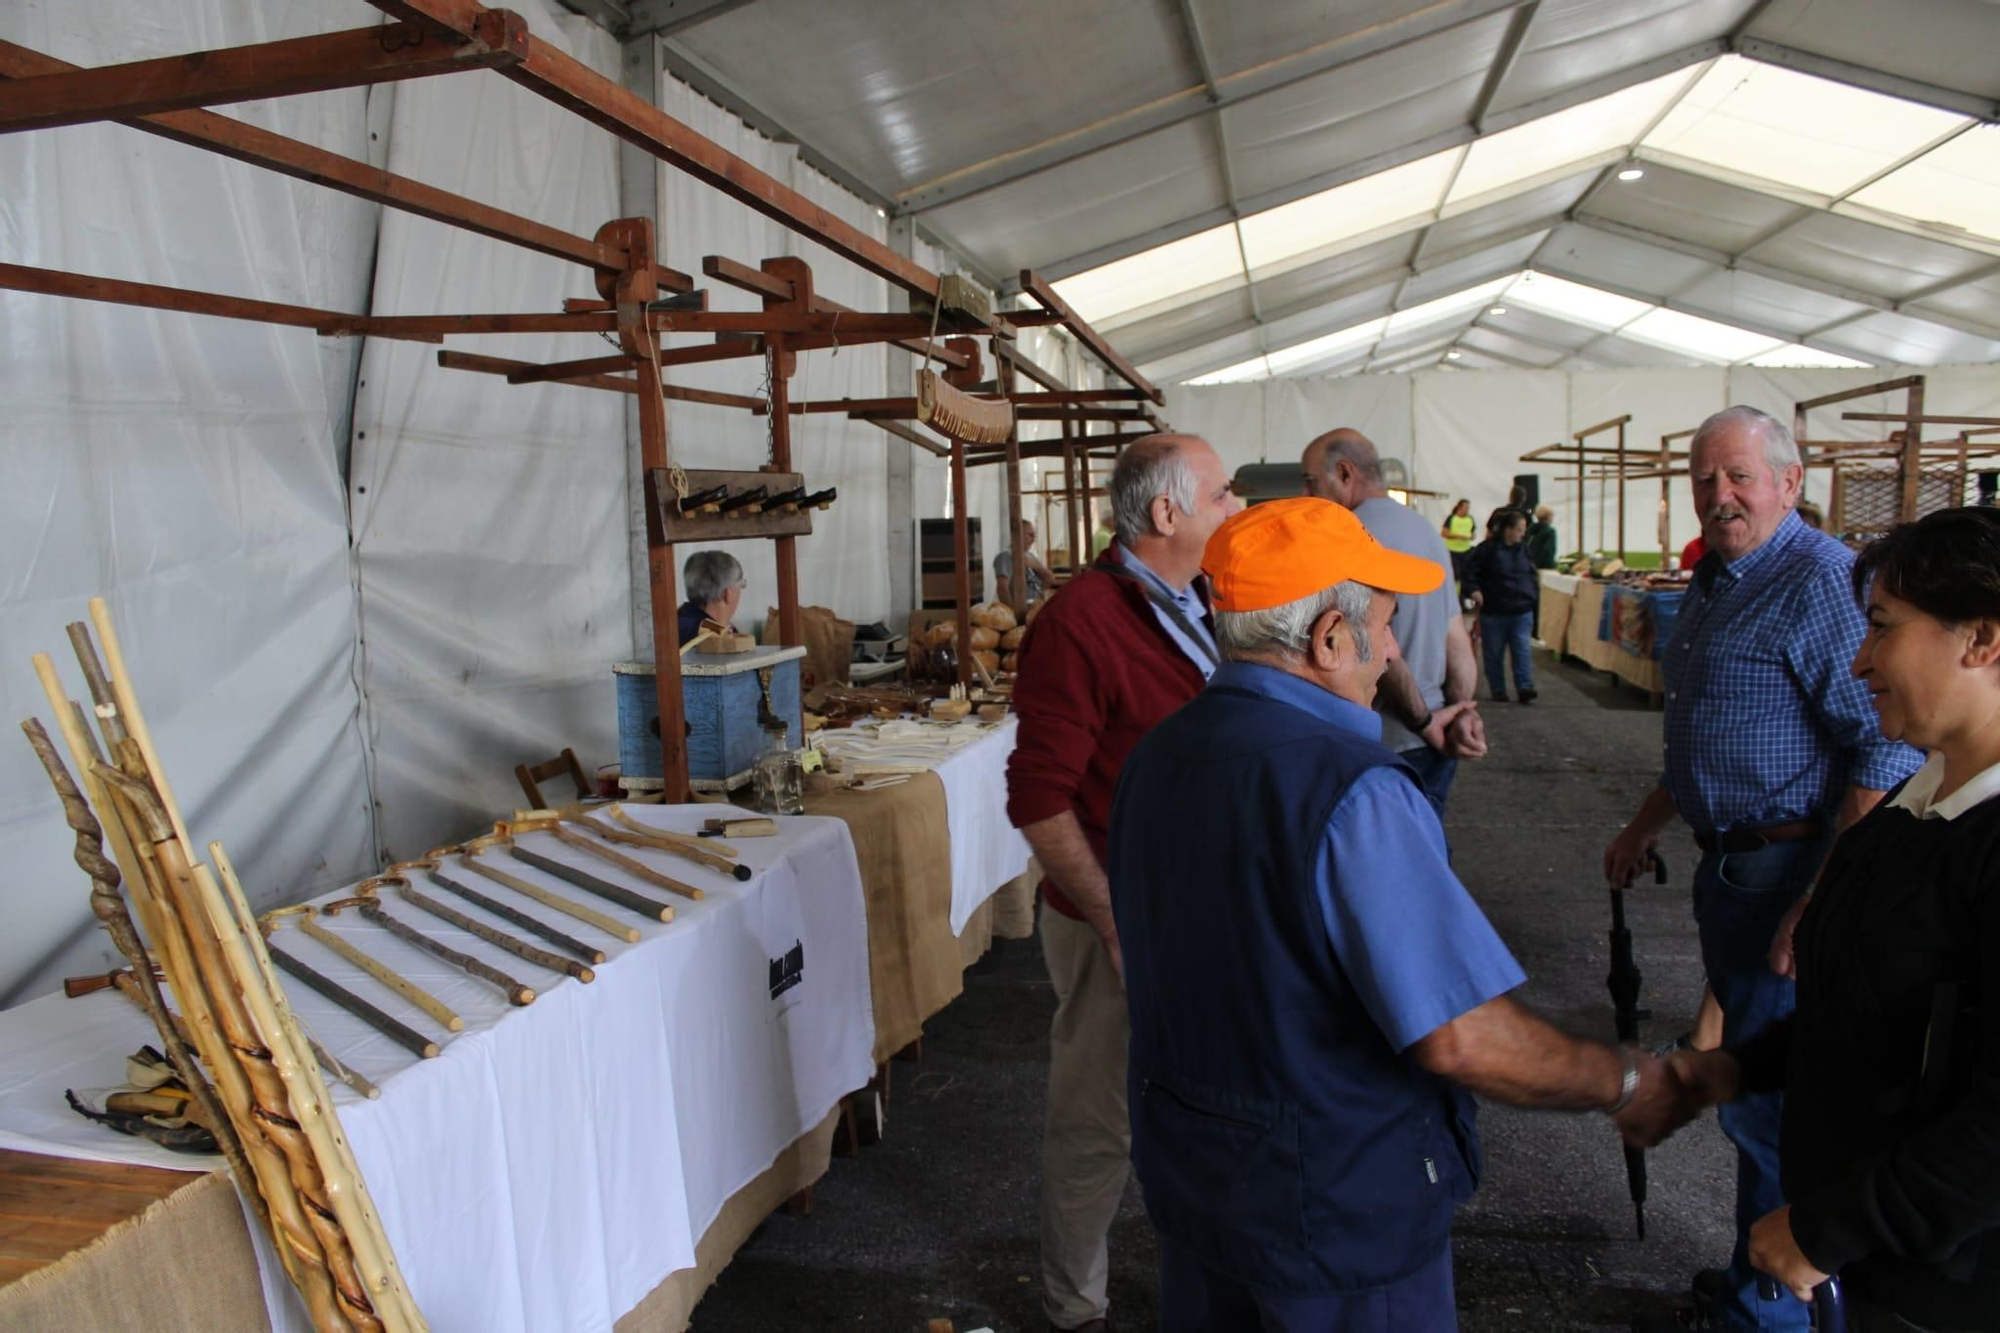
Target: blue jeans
[(1197, 1299), (1435, 770), (1498, 633), (1738, 901)]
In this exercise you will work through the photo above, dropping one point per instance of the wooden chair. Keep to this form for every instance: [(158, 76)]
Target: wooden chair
[(531, 774)]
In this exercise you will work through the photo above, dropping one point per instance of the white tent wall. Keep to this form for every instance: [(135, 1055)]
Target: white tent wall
[(489, 519), (1463, 432), (187, 468)]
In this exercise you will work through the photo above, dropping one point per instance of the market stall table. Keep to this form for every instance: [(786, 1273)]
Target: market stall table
[(557, 1162)]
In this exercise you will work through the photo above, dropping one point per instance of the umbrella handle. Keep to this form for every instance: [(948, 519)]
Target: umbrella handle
[(1829, 1306)]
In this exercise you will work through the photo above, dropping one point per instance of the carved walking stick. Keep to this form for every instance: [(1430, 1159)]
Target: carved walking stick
[(587, 952), (385, 974), (499, 939), (371, 910), (597, 849), (688, 849), (109, 908), (469, 858), (603, 888)]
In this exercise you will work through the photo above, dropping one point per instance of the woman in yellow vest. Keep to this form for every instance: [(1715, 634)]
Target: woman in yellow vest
[(1457, 532)]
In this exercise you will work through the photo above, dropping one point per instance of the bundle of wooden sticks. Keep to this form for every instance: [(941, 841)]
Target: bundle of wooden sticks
[(256, 1080)]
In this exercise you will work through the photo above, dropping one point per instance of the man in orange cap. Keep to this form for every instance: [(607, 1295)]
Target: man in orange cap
[(1313, 995)]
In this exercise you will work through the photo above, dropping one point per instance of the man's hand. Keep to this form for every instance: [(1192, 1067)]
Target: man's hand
[(1466, 737), (1629, 855), (1774, 1250), (1783, 961), (1478, 599), (1110, 941), (1710, 1078), (1661, 1105), (1437, 735)]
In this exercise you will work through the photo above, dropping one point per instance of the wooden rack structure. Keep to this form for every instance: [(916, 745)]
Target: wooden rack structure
[(1611, 465), (637, 299)]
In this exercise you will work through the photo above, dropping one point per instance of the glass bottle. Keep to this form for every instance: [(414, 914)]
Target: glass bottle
[(780, 777)]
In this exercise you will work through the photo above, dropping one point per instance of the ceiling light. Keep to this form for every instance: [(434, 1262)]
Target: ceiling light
[(1452, 355), (1631, 173), (1498, 310)]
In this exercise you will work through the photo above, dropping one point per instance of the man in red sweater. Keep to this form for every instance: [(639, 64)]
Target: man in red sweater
[(1123, 645)]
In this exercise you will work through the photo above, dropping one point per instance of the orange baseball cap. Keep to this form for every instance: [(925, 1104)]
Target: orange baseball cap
[(1284, 550)]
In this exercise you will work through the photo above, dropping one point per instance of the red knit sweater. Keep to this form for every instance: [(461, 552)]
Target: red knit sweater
[(1096, 673)]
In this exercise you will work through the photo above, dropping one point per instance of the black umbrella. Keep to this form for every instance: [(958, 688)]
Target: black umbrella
[(1624, 986)]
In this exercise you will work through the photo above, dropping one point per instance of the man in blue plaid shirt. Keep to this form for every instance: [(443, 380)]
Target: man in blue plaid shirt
[(1771, 748)]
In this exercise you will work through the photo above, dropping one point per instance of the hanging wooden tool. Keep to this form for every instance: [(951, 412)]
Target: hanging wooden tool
[(963, 416)]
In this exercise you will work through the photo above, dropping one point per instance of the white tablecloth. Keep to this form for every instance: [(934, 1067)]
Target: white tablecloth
[(557, 1161), (986, 850)]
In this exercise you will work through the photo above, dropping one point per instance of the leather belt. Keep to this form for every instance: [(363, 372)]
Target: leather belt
[(1739, 840)]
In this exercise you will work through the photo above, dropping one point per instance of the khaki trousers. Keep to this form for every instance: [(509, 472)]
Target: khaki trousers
[(1086, 1139)]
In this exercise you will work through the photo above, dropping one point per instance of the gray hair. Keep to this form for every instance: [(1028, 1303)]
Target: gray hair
[(1780, 450), (1143, 474), (709, 574), (1287, 629)]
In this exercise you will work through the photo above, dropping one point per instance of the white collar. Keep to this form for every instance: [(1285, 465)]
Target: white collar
[(1917, 793)]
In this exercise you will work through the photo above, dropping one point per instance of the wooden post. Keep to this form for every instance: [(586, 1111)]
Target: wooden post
[(961, 573), (1913, 458), (1017, 588), (1621, 490), (786, 548), (633, 289), (1069, 489), (1582, 490)]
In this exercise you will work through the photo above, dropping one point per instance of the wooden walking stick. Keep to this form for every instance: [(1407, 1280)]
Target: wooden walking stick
[(499, 939), (468, 856), (395, 1029), (385, 974), (589, 953), (688, 849), (109, 908), (371, 910), (227, 952), (597, 849), (603, 888)]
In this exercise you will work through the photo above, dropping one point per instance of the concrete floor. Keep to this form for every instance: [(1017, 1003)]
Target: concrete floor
[(939, 1219)]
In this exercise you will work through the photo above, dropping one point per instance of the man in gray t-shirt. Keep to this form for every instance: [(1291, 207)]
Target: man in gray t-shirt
[(1429, 715)]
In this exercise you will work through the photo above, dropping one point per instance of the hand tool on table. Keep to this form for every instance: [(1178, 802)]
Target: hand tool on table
[(499, 939), (685, 846), (570, 838), (603, 888), (383, 973), (1623, 983), (370, 908), (401, 1033), (589, 953), (469, 858)]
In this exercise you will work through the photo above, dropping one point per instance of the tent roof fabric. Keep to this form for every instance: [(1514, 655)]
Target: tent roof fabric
[(1311, 187)]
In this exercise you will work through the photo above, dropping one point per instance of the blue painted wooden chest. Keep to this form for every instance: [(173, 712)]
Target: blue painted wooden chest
[(723, 695)]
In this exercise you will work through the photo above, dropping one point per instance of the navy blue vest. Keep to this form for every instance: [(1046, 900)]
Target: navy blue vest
[(1274, 1131)]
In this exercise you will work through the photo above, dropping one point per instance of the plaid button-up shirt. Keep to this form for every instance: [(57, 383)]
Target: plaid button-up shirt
[(1764, 722)]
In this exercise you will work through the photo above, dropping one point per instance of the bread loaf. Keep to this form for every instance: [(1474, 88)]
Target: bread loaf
[(1010, 663), (984, 637), (1012, 638), (1000, 617), (988, 659)]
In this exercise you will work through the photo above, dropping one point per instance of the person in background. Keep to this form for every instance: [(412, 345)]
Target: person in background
[(1314, 996), (1115, 650), (1458, 532), (1039, 577), (1504, 590), (1813, 516), (1105, 533), (1542, 538), (1692, 553), (714, 583), (1770, 748), (1426, 697)]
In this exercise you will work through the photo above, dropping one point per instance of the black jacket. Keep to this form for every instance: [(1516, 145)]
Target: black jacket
[(1504, 575), (1894, 1174)]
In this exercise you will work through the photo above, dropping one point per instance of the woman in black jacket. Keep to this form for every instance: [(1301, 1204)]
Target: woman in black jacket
[(1504, 589), (1890, 1149)]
